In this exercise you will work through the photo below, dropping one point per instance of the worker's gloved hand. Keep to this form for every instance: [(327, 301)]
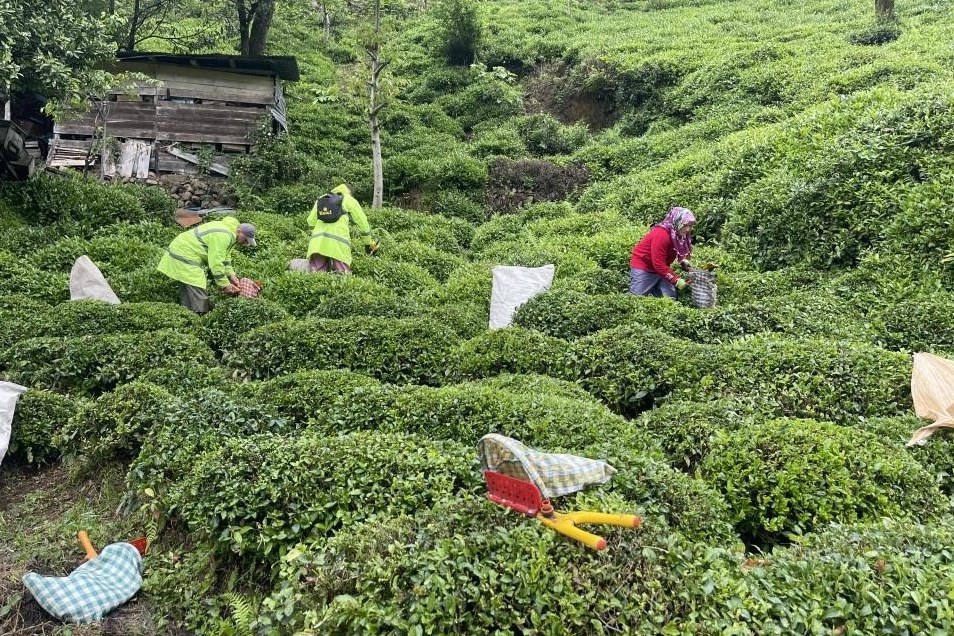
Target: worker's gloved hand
[(682, 283), (372, 248), (230, 290), (684, 264)]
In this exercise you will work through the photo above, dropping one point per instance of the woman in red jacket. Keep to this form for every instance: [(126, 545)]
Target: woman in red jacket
[(671, 240)]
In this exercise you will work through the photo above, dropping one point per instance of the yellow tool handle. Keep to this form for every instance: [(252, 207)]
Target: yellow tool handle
[(84, 540), (567, 528), (626, 521)]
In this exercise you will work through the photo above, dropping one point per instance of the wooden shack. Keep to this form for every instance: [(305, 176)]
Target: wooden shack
[(194, 113)]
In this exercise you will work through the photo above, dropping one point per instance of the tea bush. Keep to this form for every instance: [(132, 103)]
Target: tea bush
[(508, 350), (20, 278), (38, 420), (224, 327), (627, 367), (114, 425), (571, 314), (686, 430), (89, 365), (535, 384), (306, 395), (794, 476), (94, 317), (815, 379), (195, 422), (920, 324), (466, 413), (300, 293), (313, 486), (18, 314), (404, 279), (935, 455), (400, 351)]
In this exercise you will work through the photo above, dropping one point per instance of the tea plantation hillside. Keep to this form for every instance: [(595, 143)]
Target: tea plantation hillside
[(306, 463)]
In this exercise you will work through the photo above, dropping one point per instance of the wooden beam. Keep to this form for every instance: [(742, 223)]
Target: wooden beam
[(191, 158)]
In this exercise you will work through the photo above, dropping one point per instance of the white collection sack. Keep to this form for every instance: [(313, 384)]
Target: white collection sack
[(9, 394), (513, 286), (88, 283)]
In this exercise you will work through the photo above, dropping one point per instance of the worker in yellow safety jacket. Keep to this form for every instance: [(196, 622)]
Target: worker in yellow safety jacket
[(206, 246), (329, 249)]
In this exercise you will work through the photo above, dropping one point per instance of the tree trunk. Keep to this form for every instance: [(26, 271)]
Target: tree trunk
[(261, 23), (243, 26), (884, 9), (133, 27), (374, 107)]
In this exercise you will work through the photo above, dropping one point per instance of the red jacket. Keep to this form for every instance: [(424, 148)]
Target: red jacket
[(654, 253)]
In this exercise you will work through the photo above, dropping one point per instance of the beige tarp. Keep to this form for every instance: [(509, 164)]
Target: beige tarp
[(932, 388)]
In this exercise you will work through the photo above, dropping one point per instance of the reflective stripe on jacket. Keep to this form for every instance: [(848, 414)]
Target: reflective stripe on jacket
[(333, 240), (208, 245)]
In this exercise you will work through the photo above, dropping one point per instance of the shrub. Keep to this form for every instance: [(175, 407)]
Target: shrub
[(97, 363), (459, 31), (18, 314), (815, 379), (686, 430), (93, 317), (920, 324), (78, 199), (466, 413), (400, 351), (197, 422), (306, 395), (20, 278), (300, 294), (312, 486), (793, 476), (225, 326), (570, 314), (114, 426), (38, 422), (625, 367), (509, 350)]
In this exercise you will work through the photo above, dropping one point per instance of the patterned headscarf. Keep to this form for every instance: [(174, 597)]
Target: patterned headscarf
[(677, 218)]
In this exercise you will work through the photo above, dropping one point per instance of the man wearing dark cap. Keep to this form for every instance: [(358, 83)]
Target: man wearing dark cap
[(206, 246)]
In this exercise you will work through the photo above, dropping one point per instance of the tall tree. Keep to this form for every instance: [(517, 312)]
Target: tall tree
[(53, 47), (376, 102), (254, 21)]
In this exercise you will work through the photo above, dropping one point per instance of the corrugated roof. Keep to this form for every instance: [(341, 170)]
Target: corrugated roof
[(285, 67)]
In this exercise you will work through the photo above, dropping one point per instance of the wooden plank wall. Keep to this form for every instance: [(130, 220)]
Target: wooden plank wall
[(205, 123), (218, 86), (125, 119)]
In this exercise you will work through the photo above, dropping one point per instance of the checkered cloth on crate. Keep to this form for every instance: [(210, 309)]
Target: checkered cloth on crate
[(249, 288), (93, 589), (553, 473), (703, 289)]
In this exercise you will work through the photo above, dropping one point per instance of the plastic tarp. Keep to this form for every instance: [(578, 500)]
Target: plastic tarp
[(932, 388), (513, 286), (554, 474), (9, 394), (88, 283)]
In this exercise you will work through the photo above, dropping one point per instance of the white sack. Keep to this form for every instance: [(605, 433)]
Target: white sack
[(9, 394), (298, 265), (513, 286), (88, 283)]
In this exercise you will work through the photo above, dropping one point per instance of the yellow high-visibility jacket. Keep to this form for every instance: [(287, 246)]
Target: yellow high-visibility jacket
[(333, 240), (208, 245)]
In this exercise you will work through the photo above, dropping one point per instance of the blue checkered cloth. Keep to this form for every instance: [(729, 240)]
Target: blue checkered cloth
[(554, 474), (92, 590)]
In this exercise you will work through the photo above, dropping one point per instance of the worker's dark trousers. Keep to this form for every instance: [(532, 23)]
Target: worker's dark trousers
[(193, 298)]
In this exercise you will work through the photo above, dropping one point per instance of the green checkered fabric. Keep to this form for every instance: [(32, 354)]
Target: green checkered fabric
[(554, 474), (93, 589)]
